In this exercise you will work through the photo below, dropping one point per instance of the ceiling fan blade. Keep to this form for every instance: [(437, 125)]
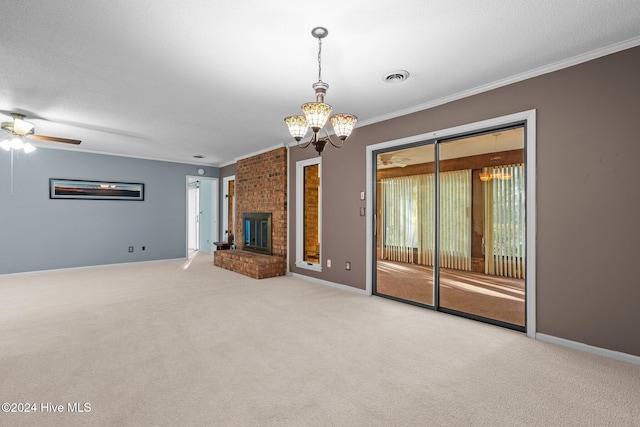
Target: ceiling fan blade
[(55, 139)]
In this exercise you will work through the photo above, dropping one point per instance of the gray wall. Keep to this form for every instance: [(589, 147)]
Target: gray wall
[(588, 208), (37, 233)]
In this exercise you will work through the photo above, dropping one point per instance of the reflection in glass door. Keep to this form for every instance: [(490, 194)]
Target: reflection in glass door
[(467, 205), (405, 224), (482, 226)]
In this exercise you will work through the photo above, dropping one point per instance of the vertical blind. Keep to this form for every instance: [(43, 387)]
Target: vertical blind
[(455, 220), (504, 221), (399, 231), (408, 214)]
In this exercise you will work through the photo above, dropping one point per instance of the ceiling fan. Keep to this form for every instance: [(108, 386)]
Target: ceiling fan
[(20, 128), (391, 160)]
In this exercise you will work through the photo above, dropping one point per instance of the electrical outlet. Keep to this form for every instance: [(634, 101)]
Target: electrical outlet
[(130, 248), (362, 195), (348, 266), (144, 248), (328, 263), (362, 212)]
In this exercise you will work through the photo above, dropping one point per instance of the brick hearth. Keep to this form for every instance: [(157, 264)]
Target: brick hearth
[(250, 264)]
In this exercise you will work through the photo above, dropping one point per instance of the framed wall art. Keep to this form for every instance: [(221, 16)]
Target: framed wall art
[(94, 190)]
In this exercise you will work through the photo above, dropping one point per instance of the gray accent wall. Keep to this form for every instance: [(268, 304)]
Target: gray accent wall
[(38, 233), (588, 203)]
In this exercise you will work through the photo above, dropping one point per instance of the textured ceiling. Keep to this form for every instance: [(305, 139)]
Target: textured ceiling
[(169, 80)]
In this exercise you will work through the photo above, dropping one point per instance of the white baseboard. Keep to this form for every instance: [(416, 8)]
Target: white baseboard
[(86, 267), (611, 354), (327, 283)]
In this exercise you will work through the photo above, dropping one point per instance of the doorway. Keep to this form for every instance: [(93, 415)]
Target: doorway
[(202, 213), (193, 215), (449, 228)]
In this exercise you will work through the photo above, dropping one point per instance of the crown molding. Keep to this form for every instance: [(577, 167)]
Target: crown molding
[(255, 153), (555, 66)]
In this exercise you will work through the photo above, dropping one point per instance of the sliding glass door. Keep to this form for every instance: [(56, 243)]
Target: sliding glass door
[(405, 224), (450, 225), (482, 226)]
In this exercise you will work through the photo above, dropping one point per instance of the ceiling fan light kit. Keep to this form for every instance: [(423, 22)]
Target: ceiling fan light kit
[(316, 114), (16, 143), (20, 129)]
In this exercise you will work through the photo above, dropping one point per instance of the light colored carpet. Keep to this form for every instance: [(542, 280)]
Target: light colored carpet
[(175, 343)]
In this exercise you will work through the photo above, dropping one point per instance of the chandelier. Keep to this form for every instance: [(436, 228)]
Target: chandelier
[(316, 114)]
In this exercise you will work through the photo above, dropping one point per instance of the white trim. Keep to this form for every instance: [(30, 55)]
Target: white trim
[(186, 225), (309, 265), (300, 165), (230, 162), (215, 212), (288, 212), (76, 148), (327, 283), (85, 267), (529, 117), (559, 65), (531, 221), (255, 153), (225, 205), (598, 351)]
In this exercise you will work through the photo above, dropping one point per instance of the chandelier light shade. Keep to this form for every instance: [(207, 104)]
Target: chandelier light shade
[(298, 126), (485, 176), (343, 124), (316, 114)]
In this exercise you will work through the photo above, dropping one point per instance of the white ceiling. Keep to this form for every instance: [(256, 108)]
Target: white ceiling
[(169, 80)]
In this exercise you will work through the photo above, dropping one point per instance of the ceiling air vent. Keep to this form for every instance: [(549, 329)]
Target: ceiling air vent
[(395, 76)]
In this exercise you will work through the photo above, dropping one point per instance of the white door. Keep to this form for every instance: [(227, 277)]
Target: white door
[(208, 219), (202, 213), (193, 215)]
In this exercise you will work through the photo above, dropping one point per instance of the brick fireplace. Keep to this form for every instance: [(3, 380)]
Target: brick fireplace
[(261, 186)]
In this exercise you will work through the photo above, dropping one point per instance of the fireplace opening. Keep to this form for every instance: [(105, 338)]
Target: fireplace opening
[(257, 232)]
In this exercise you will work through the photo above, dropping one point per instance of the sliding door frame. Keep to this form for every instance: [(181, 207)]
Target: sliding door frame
[(526, 118), (433, 143)]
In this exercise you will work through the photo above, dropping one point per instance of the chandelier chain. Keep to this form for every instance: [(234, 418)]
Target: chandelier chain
[(319, 59)]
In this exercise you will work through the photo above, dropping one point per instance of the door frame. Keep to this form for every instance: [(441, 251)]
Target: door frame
[(193, 206), (225, 207), (214, 209), (529, 119)]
